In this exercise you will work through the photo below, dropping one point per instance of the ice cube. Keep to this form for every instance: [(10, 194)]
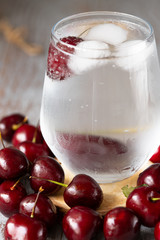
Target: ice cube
[(88, 54), (132, 54), (107, 32), (130, 47)]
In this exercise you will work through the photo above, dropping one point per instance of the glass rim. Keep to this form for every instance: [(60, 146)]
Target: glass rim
[(128, 17)]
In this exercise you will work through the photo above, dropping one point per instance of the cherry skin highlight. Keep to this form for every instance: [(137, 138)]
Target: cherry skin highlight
[(150, 176), (9, 124), (81, 223), (26, 133), (13, 163), (83, 191), (21, 227), (47, 168), (45, 210), (121, 224), (33, 150), (141, 202), (10, 198)]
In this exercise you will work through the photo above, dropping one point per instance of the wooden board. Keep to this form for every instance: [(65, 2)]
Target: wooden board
[(113, 196)]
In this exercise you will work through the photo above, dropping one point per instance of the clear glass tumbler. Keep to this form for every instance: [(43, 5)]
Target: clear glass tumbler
[(100, 112)]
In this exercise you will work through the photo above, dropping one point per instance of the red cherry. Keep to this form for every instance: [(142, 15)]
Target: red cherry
[(13, 163), (73, 142), (156, 156), (33, 150), (57, 60), (51, 154), (94, 153), (26, 133), (45, 210), (20, 227), (71, 40), (47, 168), (10, 197), (9, 124), (81, 223), (84, 191), (121, 224), (150, 176), (88, 144), (145, 202), (157, 231)]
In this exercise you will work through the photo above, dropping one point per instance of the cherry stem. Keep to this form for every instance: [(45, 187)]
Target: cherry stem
[(155, 199), (33, 210), (61, 235), (2, 140), (51, 181), (12, 188), (16, 126), (84, 32), (35, 134)]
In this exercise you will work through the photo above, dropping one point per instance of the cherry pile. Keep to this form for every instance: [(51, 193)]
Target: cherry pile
[(31, 215)]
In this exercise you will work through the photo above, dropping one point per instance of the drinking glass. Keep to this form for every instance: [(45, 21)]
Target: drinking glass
[(100, 111)]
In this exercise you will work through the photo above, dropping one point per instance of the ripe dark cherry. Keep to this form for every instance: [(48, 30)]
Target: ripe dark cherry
[(20, 227), (81, 223), (47, 168), (84, 191), (121, 224), (45, 210), (86, 143), (26, 133), (101, 153), (143, 202), (13, 163), (33, 150), (156, 156), (9, 124), (57, 60), (157, 231), (51, 154), (10, 197), (150, 176)]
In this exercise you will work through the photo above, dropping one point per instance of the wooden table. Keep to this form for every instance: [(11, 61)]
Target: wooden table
[(21, 75)]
